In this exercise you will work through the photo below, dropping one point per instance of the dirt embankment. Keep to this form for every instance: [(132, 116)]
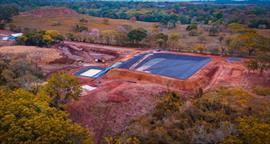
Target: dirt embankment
[(110, 108), (88, 54)]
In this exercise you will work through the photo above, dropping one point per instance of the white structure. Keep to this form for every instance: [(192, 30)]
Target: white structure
[(17, 34), (88, 88), (12, 37), (90, 72)]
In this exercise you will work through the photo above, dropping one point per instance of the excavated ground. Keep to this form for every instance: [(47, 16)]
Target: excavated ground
[(123, 95)]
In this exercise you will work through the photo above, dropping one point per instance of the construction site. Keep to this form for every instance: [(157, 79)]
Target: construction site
[(120, 84)]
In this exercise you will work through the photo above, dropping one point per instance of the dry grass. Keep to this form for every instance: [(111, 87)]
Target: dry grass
[(41, 55), (67, 23)]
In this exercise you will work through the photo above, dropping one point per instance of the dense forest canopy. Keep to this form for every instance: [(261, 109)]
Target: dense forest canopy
[(256, 16)]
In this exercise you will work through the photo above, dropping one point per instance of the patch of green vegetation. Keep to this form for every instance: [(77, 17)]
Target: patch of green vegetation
[(221, 116)]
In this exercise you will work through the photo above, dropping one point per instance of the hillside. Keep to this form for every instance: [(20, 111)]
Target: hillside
[(63, 20)]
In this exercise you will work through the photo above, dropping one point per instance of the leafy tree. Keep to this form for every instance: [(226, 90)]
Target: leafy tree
[(113, 37), (192, 26), (161, 39), (261, 61), (137, 35), (199, 47), (55, 35), (252, 65), (40, 38), (253, 130), (174, 39), (245, 42), (80, 27), (28, 118), (62, 88)]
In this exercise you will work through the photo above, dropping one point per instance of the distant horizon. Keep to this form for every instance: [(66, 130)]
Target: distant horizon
[(183, 0)]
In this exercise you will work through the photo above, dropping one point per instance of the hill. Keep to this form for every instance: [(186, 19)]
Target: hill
[(64, 19)]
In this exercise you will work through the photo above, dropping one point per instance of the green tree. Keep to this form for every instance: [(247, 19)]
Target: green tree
[(244, 43), (192, 26), (174, 39), (28, 118), (137, 35), (62, 88), (40, 38), (251, 65), (161, 39), (80, 27), (199, 48), (254, 130)]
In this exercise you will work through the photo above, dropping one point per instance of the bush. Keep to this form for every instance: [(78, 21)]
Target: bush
[(80, 28), (262, 91), (40, 38)]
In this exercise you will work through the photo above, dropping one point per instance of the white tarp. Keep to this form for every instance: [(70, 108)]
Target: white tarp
[(90, 72), (88, 88), (17, 34), (5, 38)]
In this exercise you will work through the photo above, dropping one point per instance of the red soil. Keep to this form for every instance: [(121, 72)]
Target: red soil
[(109, 109)]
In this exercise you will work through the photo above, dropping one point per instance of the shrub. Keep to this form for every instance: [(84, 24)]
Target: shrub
[(262, 91)]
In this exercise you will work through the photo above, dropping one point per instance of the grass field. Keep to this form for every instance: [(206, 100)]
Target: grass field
[(66, 23)]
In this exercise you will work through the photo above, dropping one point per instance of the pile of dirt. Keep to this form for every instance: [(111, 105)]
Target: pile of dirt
[(50, 12), (110, 108), (32, 53)]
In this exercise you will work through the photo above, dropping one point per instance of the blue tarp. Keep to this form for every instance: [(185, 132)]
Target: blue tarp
[(127, 64), (233, 59), (99, 74), (171, 65), (86, 69)]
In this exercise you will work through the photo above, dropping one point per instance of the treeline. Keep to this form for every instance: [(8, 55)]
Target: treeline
[(172, 13), (6, 14), (256, 16)]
